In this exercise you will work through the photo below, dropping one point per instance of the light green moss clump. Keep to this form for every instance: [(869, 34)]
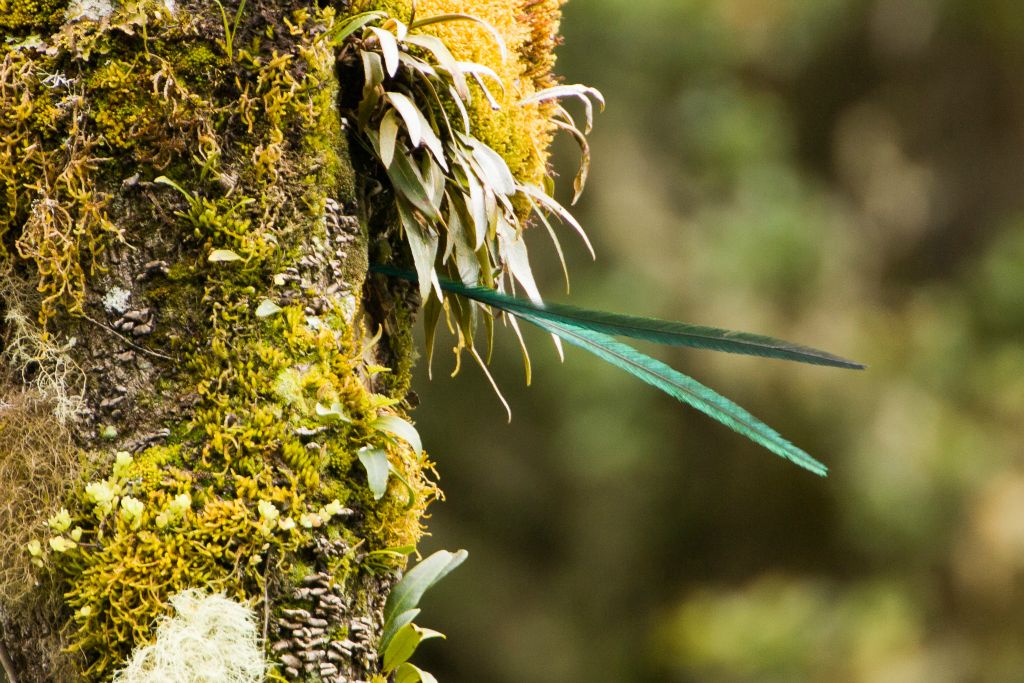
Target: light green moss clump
[(26, 16)]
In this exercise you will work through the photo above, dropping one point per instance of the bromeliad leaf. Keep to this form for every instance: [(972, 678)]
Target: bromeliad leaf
[(411, 185), (388, 137), (443, 18), (423, 246), (444, 59), (518, 261), (493, 169), (410, 115), (389, 48), (583, 93)]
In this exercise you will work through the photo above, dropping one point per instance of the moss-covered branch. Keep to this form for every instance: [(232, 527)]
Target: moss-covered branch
[(190, 368)]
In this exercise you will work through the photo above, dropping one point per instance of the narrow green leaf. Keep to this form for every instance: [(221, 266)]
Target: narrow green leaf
[(396, 426), (527, 366), (388, 137), (581, 92), (444, 59), (554, 239), (401, 647), (434, 180), (406, 179), (431, 315), (410, 115), (439, 18), (513, 252), (389, 48), (373, 75), (375, 461), (563, 214), (423, 245), (492, 166), (373, 70), (357, 22), (409, 673), (431, 141), (408, 592), (396, 622)]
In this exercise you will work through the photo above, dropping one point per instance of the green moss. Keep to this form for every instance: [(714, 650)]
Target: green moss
[(26, 16), (276, 407), (402, 9)]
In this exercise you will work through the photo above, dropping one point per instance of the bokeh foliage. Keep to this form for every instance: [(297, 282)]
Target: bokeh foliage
[(844, 173)]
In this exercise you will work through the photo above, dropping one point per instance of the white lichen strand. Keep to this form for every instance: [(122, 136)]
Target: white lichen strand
[(210, 639)]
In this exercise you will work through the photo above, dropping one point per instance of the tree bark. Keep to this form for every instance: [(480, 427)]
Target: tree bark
[(186, 313)]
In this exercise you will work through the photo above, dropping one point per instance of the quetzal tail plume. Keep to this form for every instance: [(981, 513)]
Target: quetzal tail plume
[(594, 330)]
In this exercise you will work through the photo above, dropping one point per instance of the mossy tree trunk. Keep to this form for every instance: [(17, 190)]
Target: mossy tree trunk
[(189, 369)]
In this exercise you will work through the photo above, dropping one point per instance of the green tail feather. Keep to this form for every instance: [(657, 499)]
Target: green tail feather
[(679, 386), (647, 329), (587, 330)]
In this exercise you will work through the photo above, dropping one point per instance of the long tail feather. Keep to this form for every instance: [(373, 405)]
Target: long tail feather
[(647, 329), (679, 386)]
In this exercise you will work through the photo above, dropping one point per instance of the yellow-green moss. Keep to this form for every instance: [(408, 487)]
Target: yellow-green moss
[(275, 408), (25, 16)]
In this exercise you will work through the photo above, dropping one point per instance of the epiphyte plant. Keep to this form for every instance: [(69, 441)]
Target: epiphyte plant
[(463, 212)]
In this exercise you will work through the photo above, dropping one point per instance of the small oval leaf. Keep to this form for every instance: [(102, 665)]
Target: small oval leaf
[(267, 308), (396, 426), (223, 256), (375, 460)]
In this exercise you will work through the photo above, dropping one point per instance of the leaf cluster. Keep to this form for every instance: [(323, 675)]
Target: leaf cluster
[(460, 208), (401, 637)]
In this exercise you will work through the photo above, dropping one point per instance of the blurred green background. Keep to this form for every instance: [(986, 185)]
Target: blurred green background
[(848, 174)]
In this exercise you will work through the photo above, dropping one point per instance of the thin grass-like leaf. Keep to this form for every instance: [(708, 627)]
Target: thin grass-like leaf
[(563, 214), (513, 251), (444, 58), (388, 137), (441, 18), (358, 21), (388, 48), (410, 184), (583, 93), (580, 180), (490, 378), (554, 239), (410, 114)]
